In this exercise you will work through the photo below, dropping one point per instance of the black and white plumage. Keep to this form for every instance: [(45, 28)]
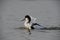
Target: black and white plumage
[(28, 23)]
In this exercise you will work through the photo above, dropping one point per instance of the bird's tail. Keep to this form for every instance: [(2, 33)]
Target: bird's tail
[(32, 27)]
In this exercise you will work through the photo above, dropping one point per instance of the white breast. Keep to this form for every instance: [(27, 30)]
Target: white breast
[(27, 25)]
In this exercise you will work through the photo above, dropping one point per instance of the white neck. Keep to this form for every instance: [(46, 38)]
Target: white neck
[(26, 20)]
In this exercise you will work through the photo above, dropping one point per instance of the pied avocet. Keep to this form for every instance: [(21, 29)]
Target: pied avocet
[(28, 25)]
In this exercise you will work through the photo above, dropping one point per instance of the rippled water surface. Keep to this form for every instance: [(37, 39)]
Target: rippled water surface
[(17, 34), (43, 10)]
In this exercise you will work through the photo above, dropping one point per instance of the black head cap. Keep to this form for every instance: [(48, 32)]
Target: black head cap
[(29, 18)]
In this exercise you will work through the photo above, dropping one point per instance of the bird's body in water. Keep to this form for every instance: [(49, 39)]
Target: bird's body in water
[(28, 25)]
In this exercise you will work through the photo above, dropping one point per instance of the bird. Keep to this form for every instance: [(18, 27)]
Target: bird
[(28, 25)]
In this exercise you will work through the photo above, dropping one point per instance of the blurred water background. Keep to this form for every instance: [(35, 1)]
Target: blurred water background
[(46, 11)]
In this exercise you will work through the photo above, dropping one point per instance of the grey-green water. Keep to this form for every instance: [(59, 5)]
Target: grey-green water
[(17, 34), (46, 11)]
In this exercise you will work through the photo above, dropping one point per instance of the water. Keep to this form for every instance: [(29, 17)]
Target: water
[(17, 34), (13, 9)]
